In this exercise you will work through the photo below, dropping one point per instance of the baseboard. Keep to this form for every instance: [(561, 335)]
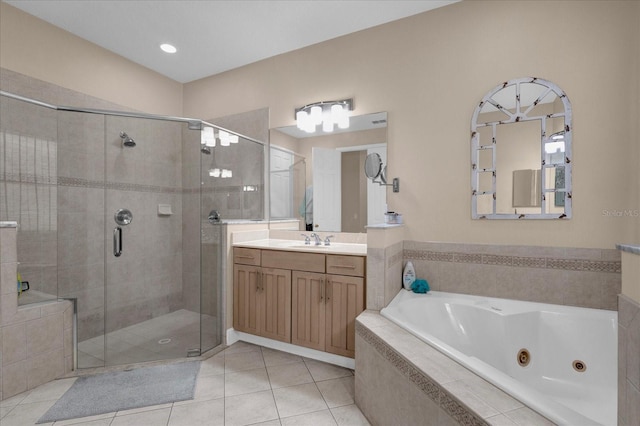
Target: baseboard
[(342, 361)]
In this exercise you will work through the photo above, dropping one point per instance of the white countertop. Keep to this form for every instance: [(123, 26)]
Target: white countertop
[(299, 246)]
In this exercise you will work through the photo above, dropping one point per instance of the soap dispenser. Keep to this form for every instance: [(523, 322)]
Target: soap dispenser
[(408, 276)]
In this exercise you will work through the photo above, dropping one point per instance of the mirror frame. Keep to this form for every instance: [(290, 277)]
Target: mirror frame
[(520, 116)]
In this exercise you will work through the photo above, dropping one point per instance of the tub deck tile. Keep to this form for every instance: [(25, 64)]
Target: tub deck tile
[(465, 397)]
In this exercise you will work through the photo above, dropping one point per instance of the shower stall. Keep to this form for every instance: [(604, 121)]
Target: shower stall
[(113, 211)]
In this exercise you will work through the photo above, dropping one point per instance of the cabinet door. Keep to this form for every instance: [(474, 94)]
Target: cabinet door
[(345, 301), (275, 290), (245, 298), (308, 310)]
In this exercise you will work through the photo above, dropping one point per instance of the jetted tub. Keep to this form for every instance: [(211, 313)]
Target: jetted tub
[(558, 360)]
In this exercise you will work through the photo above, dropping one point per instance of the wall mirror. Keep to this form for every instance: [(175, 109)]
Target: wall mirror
[(318, 179), (521, 158)]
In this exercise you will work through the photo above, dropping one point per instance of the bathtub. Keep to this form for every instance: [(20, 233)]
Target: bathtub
[(558, 360)]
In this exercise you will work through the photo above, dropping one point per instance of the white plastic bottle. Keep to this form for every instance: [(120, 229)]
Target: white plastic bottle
[(408, 276)]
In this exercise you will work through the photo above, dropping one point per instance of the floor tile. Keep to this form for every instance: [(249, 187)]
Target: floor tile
[(269, 423), (274, 357), (146, 418), (51, 391), (26, 414), (208, 413), (209, 387), (349, 415), (14, 400), (242, 347), (212, 366), (285, 375), (143, 409), (243, 361), (338, 392), (323, 371), (318, 418), (300, 399), (247, 381), (250, 408), (90, 420)]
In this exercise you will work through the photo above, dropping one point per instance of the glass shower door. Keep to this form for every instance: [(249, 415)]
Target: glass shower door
[(150, 314)]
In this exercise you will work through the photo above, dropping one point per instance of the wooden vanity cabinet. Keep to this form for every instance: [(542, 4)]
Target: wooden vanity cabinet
[(325, 306), (325, 295), (261, 299)]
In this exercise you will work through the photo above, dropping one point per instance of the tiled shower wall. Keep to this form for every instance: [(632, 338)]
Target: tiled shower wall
[(35, 340), (72, 236)]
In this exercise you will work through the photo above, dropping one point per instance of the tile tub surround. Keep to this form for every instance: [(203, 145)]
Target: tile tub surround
[(629, 337), (628, 361), (401, 380), (583, 277), (35, 340)]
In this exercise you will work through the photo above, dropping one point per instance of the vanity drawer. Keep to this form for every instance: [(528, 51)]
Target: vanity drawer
[(310, 262), (246, 256), (345, 265)]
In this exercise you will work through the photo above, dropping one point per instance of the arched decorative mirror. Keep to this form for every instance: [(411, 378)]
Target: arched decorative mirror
[(521, 157)]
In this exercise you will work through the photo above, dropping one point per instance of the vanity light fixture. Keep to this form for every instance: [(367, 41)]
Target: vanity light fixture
[(325, 113)]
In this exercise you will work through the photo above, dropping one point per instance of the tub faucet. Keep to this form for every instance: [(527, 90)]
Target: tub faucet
[(317, 237)]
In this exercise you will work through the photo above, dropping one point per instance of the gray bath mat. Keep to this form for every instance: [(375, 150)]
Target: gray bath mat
[(123, 390)]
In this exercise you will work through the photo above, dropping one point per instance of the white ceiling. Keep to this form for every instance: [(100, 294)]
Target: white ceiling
[(213, 36)]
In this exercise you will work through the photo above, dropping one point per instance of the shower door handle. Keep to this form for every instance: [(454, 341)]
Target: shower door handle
[(117, 241)]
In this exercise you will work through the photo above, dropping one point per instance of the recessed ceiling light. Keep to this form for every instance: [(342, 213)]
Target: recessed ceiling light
[(168, 48)]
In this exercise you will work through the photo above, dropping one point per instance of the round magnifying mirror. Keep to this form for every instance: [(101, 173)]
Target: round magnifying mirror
[(383, 174), (373, 165)]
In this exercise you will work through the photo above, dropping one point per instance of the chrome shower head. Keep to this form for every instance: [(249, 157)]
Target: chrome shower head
[(127, 140)]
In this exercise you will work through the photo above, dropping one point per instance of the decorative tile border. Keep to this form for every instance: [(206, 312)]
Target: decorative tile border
[(99, 184), (516, 261), (444, 399)]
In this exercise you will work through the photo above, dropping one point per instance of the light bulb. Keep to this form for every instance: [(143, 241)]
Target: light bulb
[(343, 122), (301, 119), (233, 138), (316, 114), (327, 124)]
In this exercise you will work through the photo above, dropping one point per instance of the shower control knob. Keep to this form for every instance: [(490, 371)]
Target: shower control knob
[(123, 217)]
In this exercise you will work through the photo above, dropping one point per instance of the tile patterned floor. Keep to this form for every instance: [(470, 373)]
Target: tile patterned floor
[(243, 385)]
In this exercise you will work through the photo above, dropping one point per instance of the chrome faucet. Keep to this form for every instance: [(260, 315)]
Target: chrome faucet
[(317, 237), (307, 240), (327, 241)]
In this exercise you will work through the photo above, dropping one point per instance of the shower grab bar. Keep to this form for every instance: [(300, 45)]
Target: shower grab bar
[(117, 241)]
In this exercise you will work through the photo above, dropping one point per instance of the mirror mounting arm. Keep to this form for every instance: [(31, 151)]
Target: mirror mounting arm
[(395, 184)]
